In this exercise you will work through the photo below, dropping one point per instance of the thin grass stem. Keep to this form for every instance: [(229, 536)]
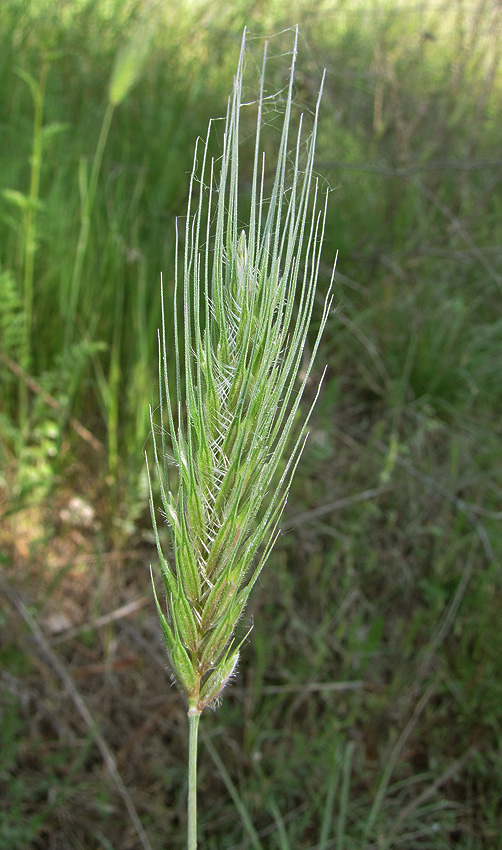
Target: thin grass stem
[(344, 796), (193, 730), (334, 781), (88, 191)]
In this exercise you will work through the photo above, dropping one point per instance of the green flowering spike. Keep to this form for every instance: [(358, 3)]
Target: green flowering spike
[(232, 431)]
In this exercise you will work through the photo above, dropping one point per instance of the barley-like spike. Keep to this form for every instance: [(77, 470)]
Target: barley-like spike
[(233, 428)]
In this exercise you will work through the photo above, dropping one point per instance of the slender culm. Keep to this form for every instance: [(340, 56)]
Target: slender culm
[(231, 431)]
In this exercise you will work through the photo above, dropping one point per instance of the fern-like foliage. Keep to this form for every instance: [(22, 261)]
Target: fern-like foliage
[(11, 316)]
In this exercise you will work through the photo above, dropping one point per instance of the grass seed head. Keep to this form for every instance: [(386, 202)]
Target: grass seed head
[(233, 423), (130, 62)]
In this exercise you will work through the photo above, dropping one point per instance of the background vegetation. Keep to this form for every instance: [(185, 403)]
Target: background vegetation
[(367, 708)]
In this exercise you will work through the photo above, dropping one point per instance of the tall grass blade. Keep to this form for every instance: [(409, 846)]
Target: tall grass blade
[(232, 790), (327, 822)]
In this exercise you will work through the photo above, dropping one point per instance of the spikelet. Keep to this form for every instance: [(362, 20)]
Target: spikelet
[(233, 430)]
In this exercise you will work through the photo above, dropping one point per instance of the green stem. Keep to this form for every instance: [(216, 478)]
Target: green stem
[(89, 195), (193, 728)]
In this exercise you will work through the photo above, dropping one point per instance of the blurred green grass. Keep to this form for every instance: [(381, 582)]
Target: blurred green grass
[(389, 573)]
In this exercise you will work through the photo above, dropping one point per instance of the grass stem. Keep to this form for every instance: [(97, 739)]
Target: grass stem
[(193, 727), (88, 195)]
